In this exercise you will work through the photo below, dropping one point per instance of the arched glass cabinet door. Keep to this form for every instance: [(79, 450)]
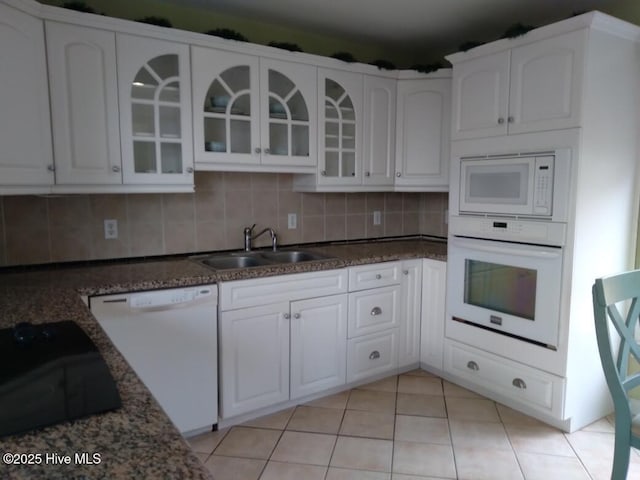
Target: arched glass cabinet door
[(155, 114), (227, 112), (340, 133)]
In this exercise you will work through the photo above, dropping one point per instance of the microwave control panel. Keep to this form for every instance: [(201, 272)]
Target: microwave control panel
[(543, 185)]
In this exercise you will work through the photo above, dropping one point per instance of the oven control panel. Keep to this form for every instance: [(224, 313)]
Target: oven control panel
[(510, 229)]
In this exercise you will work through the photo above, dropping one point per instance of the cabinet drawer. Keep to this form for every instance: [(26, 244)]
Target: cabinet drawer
[(375, 275), (263, 291), (373, 310), (535, 388), (372, 354)]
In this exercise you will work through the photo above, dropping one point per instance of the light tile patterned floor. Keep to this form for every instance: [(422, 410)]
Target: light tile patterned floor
[(413, 426)]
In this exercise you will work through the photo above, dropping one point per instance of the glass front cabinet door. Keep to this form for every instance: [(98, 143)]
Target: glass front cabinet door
[(252, 113), (155, 111), (340, 128)]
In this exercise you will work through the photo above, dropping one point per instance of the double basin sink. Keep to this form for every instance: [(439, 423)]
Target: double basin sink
[(225, 261)]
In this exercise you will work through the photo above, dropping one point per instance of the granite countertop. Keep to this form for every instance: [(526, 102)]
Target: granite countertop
[(138, 440)]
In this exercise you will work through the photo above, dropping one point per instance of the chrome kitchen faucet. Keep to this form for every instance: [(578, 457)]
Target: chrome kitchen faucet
[(248, 237)]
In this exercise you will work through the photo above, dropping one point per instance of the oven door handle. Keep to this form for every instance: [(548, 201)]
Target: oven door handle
[(483, 246)]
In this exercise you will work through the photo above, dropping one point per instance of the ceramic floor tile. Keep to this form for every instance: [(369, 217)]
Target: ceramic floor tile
[(543, 467), (232, 468), (424, 459), (389, 384), (277, 421), (292, 471), (316, 419), (420, 385), (453, 390), (202, 456), (248, 442), (401, 476), (475, 409), (206, 442), (303, 447), (466, 433), (602, 425), (338, 400), (348, 474), (538, 439), (372, 401), (422, 405), (510, 416), (422, 429), (359, 423), (475, 463), (362, 454)]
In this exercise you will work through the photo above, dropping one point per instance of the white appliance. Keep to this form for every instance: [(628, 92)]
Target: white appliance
[(510, 288), (169, 337), (514, 184)]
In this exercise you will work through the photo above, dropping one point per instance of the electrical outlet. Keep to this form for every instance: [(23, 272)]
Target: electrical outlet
[(377, 217), (292, 221), (110, 229)]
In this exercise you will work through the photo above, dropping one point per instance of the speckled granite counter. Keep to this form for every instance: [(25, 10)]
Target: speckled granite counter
[(138, 441)]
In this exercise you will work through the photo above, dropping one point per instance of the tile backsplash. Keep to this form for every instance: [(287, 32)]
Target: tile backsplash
[(44, 229)]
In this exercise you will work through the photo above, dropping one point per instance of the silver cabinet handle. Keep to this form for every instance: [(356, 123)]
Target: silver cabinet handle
[(286, 316), (519, 383), (511, 119), (51, 168), (323, 173), (373, 355), (375, 311), (296, 315), (471, 365), (267, 151), (378, 276), (257, 150), (500, 121), (366, 174), (398, 174), (189, 169), (115, 169)]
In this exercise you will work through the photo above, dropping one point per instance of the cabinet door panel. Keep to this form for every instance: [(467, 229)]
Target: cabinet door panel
[(379, 117), (318, 344), (254, 358), (25, 128), (84, 104), (480, 97), (433, 312), (546, 83), (410, 308)]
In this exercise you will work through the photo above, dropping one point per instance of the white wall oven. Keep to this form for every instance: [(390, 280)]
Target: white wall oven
[(507, 287)]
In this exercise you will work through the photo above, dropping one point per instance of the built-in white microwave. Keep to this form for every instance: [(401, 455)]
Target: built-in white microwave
[(515, 184)]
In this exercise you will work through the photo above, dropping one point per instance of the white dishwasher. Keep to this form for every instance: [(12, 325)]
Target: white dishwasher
[(169, 337)]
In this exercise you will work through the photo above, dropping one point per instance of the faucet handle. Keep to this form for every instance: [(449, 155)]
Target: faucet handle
[(249, 229)]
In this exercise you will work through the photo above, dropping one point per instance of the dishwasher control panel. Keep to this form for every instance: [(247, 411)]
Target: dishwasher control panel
[(162, 298)]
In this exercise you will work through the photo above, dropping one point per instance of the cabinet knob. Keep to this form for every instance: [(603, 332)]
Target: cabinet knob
[(500, 121), (378, 276), (398, 174), (189, 169), (51, 168), (296, 315), (471, 365), (367, 174), (375, 311), (257, 150), (323, 173), (267, 151), (511, 119), (286, 316), (373, 355), (406, 272), (115, 169), (519, 383)]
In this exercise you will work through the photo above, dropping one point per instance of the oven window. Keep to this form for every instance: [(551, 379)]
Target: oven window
[(502, 288)]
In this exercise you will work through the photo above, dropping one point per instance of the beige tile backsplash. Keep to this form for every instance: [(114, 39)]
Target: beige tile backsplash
[(36, 229)]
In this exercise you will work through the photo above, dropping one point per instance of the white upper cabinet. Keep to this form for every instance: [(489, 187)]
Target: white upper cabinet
[(423, 134), (26, 159), (84, 104), (155, 111), (339, 127), (530, 88), (379, 121), (252, 113)]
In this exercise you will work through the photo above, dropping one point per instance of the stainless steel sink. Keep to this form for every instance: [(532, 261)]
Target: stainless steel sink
[(227, 261)]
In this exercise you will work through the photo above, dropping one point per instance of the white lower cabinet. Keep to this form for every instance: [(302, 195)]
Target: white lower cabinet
[(372, 354), (410, 309), (434, 283)]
